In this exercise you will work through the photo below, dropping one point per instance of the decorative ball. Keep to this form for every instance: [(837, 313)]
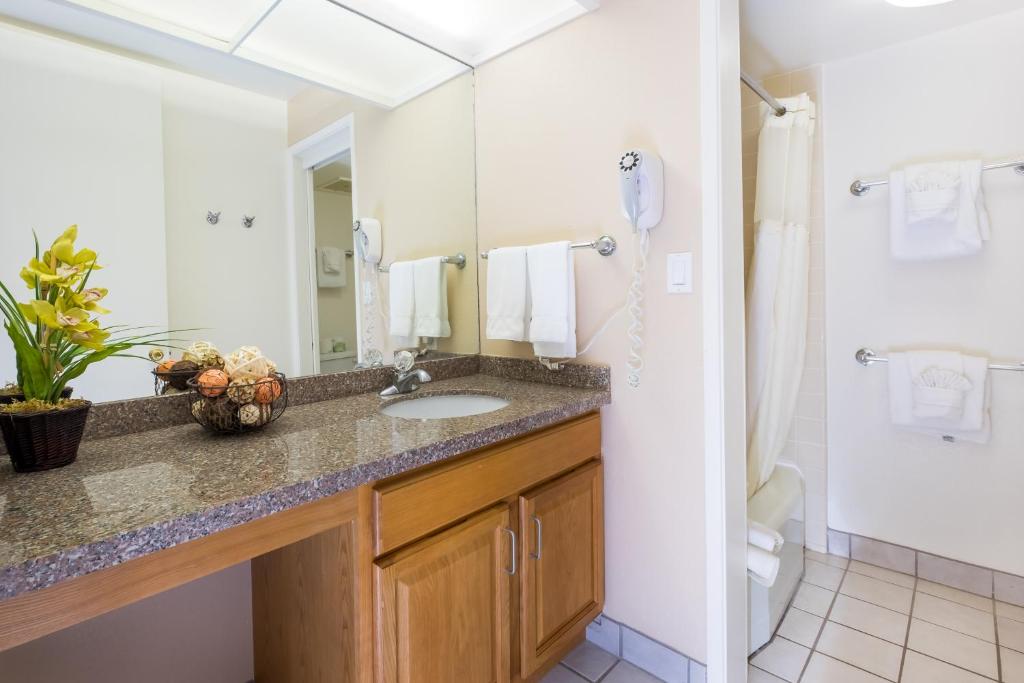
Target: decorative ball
[(268, 390), (166, 365), (198, 352), (222, 415), (183, 371), (247, 362), (242, 391), (212, 383), (156, 355), (252, 415), (197, 409), (213, 360)]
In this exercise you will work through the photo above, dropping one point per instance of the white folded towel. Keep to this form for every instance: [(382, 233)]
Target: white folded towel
[(937, 211), (430, 282), (508, 297), (330, 270), (914, 406), (763, 537), (402, 304), (762, 566), (552, 280)]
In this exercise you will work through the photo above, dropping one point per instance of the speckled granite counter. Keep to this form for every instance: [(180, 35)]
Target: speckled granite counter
[(135, 494)]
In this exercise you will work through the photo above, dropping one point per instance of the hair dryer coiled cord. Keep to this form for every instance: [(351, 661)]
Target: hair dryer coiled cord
[(635, 306)]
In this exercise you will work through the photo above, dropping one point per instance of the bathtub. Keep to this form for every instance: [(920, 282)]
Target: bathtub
[(779, 504)]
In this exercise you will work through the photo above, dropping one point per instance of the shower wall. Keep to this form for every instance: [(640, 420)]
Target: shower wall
[(951, 95), (806, 446)]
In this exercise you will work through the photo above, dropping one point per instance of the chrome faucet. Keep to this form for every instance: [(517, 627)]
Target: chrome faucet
[(407, 379)]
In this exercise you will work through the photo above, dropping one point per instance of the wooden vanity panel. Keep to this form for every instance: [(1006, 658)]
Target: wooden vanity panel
[(70, 602), (413, 506)]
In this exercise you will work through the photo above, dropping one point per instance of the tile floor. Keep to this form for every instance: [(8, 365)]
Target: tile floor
[(852, 622), (589, 664)]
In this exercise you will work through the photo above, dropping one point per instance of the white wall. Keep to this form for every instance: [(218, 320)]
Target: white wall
[(80, 143), (948, 96), (224, 150), (553, 117)]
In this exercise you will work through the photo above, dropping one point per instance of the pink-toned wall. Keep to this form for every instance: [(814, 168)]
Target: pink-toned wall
[(553, 117)]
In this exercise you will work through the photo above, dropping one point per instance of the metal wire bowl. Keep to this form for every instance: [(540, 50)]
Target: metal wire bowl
[(238, 408)]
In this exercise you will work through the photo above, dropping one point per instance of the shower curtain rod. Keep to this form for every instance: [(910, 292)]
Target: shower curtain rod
[(763, 94)]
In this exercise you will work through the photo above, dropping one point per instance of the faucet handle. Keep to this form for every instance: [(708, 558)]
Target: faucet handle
[(404, 361)]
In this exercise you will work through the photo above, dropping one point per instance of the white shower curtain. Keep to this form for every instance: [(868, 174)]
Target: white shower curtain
[(777, 283)]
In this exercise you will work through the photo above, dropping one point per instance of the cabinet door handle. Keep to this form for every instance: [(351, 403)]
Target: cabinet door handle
[(540, 537), (512, 535)]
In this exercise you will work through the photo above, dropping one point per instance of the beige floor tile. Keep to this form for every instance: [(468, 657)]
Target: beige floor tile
[(1013, 665), (590, 661), (861, 650), (888, 575), (877, 592), (813, 599), (755, 675), (877, 621), (831, 560), (562, 675), (918, 668), (822, 669), (1005, 609), (952, 615), (952, 647), (955, 595), (800, 627), (782, 658), (1011, 633), (624, 672), (823, 575)]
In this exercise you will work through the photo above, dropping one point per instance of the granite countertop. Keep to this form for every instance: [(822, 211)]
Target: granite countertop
[(131, 495)]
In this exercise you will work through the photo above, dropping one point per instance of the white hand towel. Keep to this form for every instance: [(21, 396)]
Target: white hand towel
[(430, 282), (402, 304), (330, 270), (763, 537), (937, 211), (974, 423), (552, 277), (507, 294), (762, 566)]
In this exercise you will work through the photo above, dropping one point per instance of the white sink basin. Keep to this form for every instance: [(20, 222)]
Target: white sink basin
[(439, 407)]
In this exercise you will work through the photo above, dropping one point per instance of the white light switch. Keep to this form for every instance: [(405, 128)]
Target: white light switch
[(680, 273)]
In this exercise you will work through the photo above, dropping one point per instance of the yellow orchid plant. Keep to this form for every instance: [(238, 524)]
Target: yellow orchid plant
[(56, 334)]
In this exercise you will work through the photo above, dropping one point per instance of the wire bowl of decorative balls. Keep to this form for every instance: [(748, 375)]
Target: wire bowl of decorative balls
[(171, 376)]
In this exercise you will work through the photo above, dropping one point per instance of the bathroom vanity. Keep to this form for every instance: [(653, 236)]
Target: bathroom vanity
[(382, 549)]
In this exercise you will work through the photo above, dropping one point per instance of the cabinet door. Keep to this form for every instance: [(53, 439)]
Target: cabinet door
[(562, 562), (442, 605)]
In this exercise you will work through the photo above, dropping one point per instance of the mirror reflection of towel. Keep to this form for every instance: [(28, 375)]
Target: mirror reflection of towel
[(330, 270)]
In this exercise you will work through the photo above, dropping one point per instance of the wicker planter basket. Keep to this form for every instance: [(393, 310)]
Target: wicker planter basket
[(44, 440)]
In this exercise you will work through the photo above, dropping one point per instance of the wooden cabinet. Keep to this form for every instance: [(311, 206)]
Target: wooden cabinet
[(443, 605), (562, 581)]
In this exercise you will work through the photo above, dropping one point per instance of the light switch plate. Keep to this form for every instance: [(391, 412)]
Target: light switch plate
[(680, 273)]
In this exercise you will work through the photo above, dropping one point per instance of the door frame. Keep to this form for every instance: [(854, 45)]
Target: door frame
[(321, 146), (724, 342)]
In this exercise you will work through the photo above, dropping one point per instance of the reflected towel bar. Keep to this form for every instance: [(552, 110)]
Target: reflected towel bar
[(605, 245), (868, 357), (860, 188), (459, 261)]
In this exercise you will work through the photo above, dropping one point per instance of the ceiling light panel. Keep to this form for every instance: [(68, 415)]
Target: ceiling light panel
[(326, 44), (473, 30), (221, 20)]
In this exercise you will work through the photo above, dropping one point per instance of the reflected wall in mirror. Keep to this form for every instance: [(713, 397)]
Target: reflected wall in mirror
[(138, 150)]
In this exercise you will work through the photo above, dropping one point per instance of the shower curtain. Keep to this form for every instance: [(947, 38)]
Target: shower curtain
[(777, 283)]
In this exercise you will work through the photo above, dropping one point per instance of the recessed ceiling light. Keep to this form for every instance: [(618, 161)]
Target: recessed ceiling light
[(916, 3)]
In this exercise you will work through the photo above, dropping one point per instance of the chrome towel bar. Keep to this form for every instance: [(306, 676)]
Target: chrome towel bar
[(459, 261), (860, 188), (868, 357), (605, 245)]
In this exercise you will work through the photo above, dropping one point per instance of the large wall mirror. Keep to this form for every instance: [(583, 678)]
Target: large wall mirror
[(216, 156)]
